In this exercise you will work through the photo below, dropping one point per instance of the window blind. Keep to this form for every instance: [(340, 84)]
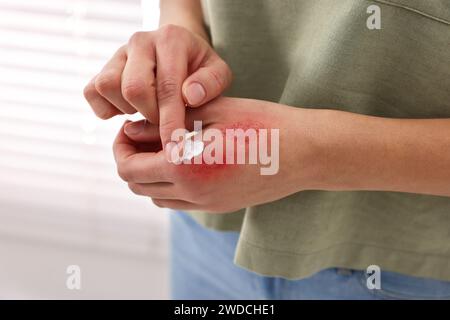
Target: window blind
[(58, 181)]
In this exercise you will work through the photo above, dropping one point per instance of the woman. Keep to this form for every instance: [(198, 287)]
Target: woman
[(364, 126)]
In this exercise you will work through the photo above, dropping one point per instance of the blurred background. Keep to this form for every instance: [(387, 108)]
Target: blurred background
[(61, 200)]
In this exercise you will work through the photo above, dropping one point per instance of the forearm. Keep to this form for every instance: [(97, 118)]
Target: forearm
[(357, 152), (184, 13)]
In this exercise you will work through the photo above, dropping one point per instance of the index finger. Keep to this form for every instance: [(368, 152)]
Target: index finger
[(172, 65)]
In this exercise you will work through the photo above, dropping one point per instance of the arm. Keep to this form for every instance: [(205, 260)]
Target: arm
[(318, 150), (359, 152), (185, 13)]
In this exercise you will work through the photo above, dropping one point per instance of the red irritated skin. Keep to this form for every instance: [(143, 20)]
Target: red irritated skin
[(220, 187), (198, 168)]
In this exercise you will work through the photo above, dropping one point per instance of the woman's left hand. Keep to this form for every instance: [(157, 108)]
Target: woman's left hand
[(222, 187)]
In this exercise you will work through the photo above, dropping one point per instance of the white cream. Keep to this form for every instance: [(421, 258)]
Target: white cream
[(192, 148)]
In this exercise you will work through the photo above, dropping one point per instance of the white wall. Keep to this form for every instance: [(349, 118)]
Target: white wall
[(61, 201)]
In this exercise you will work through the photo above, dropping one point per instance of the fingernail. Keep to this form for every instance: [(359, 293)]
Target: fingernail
[(134, 128), (195, 93)]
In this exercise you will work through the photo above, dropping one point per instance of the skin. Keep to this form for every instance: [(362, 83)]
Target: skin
[(158, 73), (210, 187), (319, 149)]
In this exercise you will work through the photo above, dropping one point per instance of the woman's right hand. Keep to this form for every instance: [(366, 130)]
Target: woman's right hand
[(158, 73)]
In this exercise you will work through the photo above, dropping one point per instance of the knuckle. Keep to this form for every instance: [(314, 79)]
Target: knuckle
[(123, 48), (167, 89), (158, 202), (101, 111), (89, 92), (135, 188), (137, 37), (219, 77), (123, 172), (134, 89), (107, 81), (169, 31), (167, 126), (104, 113)]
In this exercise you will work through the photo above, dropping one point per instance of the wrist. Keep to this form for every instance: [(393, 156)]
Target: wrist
[(342, 147), (310, 151), (192, 27), (187, 14)]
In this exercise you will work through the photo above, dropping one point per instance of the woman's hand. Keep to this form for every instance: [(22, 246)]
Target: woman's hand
[(157, 74), (222, 187)]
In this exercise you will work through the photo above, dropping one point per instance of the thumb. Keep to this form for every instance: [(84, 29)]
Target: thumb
[(207, 82)]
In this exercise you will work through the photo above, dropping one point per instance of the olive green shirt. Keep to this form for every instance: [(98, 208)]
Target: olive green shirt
[(321, 54)]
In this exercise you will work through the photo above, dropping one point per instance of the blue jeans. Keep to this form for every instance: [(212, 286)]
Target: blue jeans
[(202, 268)]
